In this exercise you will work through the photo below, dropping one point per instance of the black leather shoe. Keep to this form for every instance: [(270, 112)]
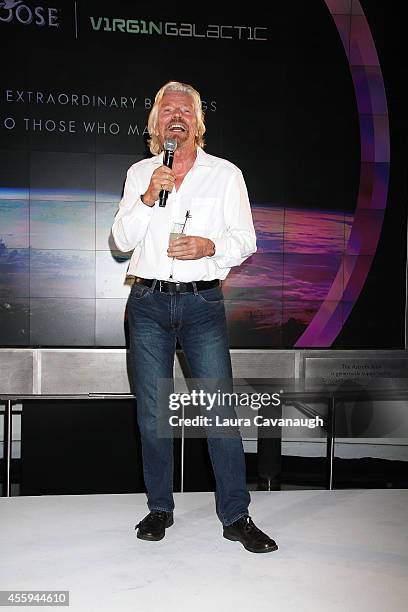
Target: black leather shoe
[(253, 539), (153, 526)]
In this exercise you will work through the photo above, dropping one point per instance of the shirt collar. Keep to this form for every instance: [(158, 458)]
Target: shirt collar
[(203, 159)]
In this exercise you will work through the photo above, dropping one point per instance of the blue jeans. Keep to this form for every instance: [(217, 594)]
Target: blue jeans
[(198, 320)]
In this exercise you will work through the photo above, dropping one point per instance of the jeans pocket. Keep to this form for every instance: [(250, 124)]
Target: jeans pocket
[(139, 291)]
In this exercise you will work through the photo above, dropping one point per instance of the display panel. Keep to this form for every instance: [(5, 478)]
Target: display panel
[(295, 98)]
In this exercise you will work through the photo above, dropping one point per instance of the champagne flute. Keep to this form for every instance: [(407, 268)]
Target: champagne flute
[(177, 230)]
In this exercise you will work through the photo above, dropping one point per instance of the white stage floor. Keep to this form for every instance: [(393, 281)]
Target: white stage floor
[(341, 550)]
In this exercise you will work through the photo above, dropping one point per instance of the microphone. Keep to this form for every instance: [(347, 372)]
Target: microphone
[(170, 145)]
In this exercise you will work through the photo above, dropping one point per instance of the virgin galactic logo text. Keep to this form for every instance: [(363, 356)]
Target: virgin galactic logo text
[(15, 11)]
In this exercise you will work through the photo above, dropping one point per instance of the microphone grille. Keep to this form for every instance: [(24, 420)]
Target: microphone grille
[(170, 144)]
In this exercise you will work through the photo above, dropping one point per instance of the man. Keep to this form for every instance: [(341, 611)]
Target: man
[(177, 294)]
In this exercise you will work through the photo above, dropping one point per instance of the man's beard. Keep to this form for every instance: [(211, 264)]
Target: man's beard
[(181, 137)]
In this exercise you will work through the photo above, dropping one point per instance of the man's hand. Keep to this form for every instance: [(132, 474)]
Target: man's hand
[(191, 247), (162, 178)]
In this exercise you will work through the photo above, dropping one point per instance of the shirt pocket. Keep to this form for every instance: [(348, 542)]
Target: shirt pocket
[(204, 216)]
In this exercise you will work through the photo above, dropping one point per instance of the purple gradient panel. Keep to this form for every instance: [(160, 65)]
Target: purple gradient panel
[(339, 7), (268, 223), (259, 270), (314, 231), (348, 224), (365, 233), (367, 135), (309, 277), (362, 48), (356, 8), (324, 327), (343, 27), (375, 143), (333, 315), (254, 322), (373, 185), (14, 223), (347, 308), (369, 87), (382, 138), (374, 133), (355, 270)]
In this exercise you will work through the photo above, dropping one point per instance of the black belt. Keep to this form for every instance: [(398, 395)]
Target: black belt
[(176, 287)]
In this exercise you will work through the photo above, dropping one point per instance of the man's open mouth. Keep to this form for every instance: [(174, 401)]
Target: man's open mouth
[(176, 127)]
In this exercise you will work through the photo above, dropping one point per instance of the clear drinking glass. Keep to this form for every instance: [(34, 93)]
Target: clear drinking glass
[(176, 231)]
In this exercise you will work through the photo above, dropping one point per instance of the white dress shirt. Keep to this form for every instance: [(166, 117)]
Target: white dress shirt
[(214, 192)]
